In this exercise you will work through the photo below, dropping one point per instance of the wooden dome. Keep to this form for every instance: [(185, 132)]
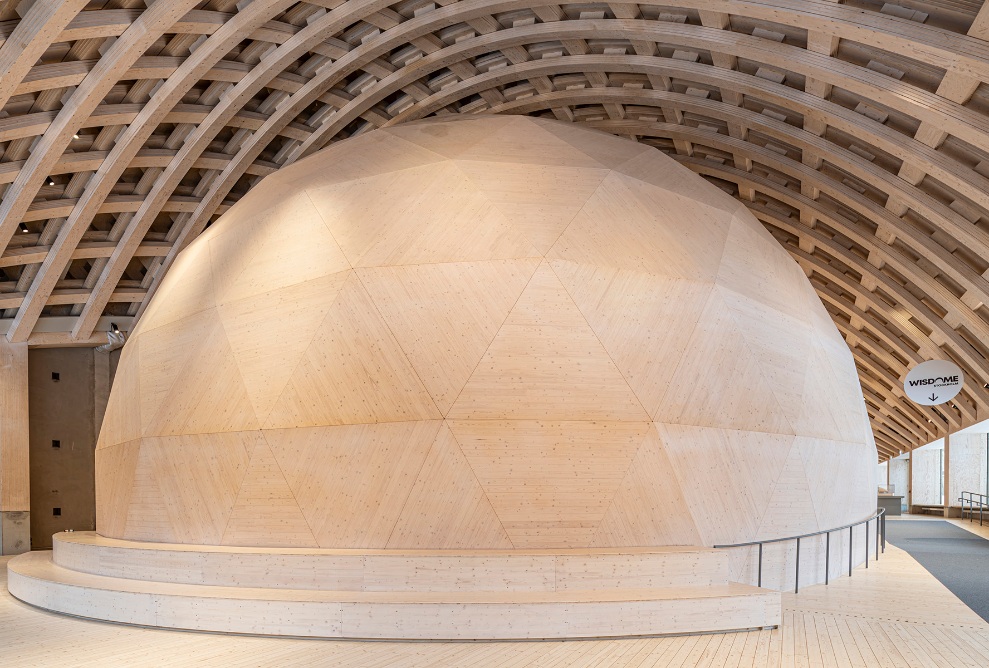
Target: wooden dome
[(499, 332)]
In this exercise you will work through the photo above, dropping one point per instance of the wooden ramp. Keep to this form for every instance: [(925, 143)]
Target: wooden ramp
[(391, 594)]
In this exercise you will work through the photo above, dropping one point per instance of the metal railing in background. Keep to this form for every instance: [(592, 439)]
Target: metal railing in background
[(974, 499), (879, 517)]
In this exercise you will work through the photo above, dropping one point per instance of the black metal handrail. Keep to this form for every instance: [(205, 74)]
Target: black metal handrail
[(983, 503), (879, 516)]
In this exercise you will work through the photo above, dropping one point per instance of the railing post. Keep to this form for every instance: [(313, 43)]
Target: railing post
[(867, 543), (796, 577), (884, 533), (878, 522), (850, 537), (760, 564), (827, 557)]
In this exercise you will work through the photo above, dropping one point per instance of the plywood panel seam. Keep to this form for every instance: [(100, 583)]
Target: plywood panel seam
[(473, 473), (598, 339), (301, 360), (200, 342), (562, 231), (742, 330), (398, 346), (328, 230), (488, 348), (408, 494), (772, 492)]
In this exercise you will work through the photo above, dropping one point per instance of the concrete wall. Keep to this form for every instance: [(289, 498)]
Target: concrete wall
[(927, 475), (968, 465), (69, 411), (899, 472)]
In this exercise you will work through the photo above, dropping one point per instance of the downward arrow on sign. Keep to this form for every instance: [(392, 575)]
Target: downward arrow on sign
[(933, 397)]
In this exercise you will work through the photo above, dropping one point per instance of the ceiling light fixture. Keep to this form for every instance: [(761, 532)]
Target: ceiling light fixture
[(23, 228)]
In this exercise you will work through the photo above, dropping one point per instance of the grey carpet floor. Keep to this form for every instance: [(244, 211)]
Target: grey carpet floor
[(958, 558)]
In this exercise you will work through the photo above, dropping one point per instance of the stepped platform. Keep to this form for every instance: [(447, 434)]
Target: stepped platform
[(393, 594)]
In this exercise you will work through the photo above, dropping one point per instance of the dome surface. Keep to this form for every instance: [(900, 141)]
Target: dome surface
[(501, 332)]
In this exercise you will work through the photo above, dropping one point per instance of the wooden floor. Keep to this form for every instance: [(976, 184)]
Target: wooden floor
[(894, 614)]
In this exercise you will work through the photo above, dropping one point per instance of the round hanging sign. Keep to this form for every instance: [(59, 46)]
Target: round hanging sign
[(934, 382)]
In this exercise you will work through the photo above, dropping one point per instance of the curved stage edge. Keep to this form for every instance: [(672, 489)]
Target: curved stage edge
[(393, 594)]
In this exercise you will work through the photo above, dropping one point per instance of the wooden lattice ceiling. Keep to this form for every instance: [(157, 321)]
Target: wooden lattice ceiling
[(858, 132)]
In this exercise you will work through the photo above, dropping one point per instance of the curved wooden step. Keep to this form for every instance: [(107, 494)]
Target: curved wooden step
[(436, 615)]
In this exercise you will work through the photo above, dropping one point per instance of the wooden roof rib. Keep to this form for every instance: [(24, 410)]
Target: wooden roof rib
[(856, 131)]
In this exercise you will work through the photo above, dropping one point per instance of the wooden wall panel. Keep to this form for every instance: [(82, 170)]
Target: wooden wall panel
[(279, 324), (737, 395), (266, 512), (546, 363), (115, 468), (293, 246), (445, 316), (649, 508), (447, 507), (353, 481), (723, 474), (622, 225), (550, 482), (353, 372), (644, 321), (539, 200)]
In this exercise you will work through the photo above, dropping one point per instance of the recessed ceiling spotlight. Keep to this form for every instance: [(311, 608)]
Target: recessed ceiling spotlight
[(51, 181), (23, 228), (75, 136)]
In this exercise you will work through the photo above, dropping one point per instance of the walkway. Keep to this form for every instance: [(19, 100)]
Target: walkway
[(956, 557)]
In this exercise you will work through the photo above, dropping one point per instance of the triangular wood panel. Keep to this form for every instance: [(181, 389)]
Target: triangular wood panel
[(539, 200), (781, 345), (147, 517), (719, 381), (754, 265), (371, 154), (266, 512), (627, 224), (424, 215), (605, 149), (353, 372), (163, 355), (550, 482), (681, 184), (208, 395), (519, 136), (353, 481), (726, 476), (546, 363), (189, 284), (447, 508), (198, 477), (451, 140), (122, 418), (791, 508), (822, 414), (843, 484), (294, 246), (644, 321), (276, 325), (649, 508), (847, 405), (445, 316), (115, 467)]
